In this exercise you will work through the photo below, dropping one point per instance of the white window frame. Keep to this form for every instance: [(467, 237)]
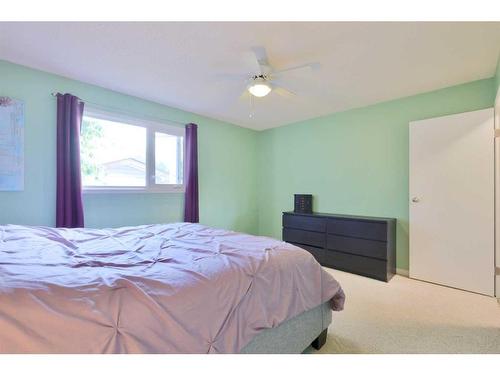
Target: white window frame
[(151, 127)]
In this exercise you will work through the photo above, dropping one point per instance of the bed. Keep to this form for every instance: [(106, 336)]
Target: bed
[(163, 288)]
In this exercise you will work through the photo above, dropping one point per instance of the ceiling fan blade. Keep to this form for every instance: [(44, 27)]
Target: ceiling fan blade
[(260, 55), (309, 66), (284, 92), (254, 68), (232, 77), (259, 60)]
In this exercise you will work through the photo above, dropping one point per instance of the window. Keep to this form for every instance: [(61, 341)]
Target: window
[(119, 153)]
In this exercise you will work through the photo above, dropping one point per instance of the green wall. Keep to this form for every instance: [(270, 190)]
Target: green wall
[(354, 162), (227, 163)]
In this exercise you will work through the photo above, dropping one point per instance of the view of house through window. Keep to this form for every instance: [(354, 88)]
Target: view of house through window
[(114, 154)]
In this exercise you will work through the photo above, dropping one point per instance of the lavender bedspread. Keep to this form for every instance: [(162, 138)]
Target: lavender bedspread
[(169, 288)]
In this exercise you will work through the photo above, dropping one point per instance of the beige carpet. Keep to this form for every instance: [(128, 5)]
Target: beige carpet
[(409, 316)]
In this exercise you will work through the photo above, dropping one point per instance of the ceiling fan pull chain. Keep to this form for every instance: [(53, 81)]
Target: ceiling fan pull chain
[(251, 107)]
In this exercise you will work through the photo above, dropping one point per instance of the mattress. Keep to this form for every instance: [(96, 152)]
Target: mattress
[(163, 288)]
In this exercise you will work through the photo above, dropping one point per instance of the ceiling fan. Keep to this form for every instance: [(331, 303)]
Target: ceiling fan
[(264, 79)]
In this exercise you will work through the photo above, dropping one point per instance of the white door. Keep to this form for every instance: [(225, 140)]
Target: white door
[(452, 201)]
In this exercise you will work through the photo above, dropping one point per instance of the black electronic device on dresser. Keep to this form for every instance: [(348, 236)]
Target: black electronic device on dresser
[(357, 244)]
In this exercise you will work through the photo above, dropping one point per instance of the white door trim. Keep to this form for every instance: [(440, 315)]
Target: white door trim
[(497, 195)]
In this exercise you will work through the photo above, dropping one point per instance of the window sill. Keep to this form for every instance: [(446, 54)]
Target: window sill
[(114, 190)]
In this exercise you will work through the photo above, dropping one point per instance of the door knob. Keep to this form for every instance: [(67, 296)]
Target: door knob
[(415, 200)]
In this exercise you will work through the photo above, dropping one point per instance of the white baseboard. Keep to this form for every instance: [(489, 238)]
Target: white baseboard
[(402, 272)]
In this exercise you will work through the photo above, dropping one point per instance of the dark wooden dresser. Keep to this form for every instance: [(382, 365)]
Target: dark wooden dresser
[(357, 244)]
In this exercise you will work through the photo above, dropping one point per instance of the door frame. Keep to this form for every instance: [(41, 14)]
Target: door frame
[(497, 193)]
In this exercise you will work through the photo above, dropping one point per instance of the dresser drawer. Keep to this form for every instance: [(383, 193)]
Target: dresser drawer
[(304, 237), (359, 229), (316, 252), (357, 246), (370, 267), (316, 224)]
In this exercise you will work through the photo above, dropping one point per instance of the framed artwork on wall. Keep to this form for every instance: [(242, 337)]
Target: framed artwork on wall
[(11, 144)]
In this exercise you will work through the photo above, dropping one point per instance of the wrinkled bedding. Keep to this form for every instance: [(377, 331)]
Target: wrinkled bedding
[(163, 288)]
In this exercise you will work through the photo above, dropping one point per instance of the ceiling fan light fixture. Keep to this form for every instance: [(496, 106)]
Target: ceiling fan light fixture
[(259, 89)]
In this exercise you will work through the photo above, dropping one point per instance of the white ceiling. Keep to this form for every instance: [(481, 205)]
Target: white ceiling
[(180, 64)]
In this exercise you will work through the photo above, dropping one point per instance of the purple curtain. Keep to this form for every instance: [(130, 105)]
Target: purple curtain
[(191, 213), (69, 208)]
